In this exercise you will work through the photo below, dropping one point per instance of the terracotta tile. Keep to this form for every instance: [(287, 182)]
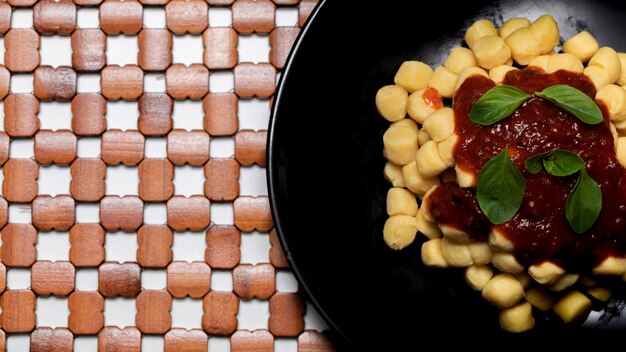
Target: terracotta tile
[(253, 16), (247, 341), (22, 50), (220, 2), (20, 115), (55, 83), (20, 180), (222, 179), (55, 147), (188, 147), (220, 313), (121, 16), (18, 311), (88, 176), (54, 17), (4, 148), (87, 2), (182, 340), (313, 341), (22, 3), (154, 2), (86, 312), (223, 243), (125, 147), (304, 10), (46, 339), (125, 213), (254, 281), (286, 314), (119, 279), (122, 82), (114, 339), (253, 213), (188, 279), (277, 256), (187, 81), (155, 114), (153, 311), (155, 246), (52, 278), (250, 147), (155, 49), (5, 24), (286, 2), (53, 213), (220, 48), (5, 79), (255, 80), (4, 212), (3, 279), (281, 41), (89, 114), (187, 16), (88, 49), (193, 213), (220, 114), (155, 180), (87, 245), (3, 340), (18, 245)]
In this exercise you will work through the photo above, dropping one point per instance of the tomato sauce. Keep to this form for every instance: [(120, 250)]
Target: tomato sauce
[(539, 230)]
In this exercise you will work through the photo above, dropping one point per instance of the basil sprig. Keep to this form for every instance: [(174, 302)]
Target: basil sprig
[(556, 162), (497, 104), (573, 101), (584, 203), (500, 188), (500, 102)]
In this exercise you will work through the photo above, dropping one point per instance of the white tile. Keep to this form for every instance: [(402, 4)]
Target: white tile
[(286, 282), (221, 81), (54, 180), (87, 279), (88, 17), (18, 278), (22, 83), (153, 343), (89, 147), (220, 17), (188, 115), (252, 180), (121, 247), (254, 114), (187, 313), (255, 248), (20, 213), (122, 50), (86, 343), (187, 49), (154, 17), (87, 213), (156, 147), (189, 180), (22, 148), (189, 246), (52, 311), (54, 115), (53, 246), (119, 312), (122, 180), (313, 320), (285, 345), (18, 342), (88, 83), (219, 344), (154, 83), (222, 147), (22, 18), (254, 48), (155, 213), (123, 115), (253, 314), (286, 17), (56, 50), (221, 280), (222, 213), (152, 279)]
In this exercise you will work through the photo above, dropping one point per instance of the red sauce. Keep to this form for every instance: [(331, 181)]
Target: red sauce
[(433, 98), (539, 230)]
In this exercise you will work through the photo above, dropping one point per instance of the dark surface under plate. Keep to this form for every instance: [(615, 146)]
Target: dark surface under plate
[(326, 181)]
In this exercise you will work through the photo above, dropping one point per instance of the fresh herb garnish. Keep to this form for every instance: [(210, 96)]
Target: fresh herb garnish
[(573, 101), (584, 204), (500, 188), (498, 103), (556, 162)]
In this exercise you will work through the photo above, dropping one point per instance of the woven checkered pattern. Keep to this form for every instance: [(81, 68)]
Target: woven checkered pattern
[(148, 121)]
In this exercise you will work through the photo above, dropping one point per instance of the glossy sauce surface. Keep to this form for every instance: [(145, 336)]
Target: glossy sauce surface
[(539, 230)]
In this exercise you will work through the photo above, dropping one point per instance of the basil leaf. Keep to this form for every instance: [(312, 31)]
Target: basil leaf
[(500, 188), (583, 205), (573, 101), (563, 163), (498, 103), (534, 164)]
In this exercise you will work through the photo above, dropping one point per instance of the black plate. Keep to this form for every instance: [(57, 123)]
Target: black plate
[(325, 170)]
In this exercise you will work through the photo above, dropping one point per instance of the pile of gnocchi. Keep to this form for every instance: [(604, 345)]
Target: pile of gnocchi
[(419, 147)]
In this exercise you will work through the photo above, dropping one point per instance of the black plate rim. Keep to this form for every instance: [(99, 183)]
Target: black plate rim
[(272, 166)]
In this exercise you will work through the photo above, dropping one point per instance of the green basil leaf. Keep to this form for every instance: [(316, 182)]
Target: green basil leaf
[(584, 204), (500, 188), (534, 164), (498, 103), (573, 101), (562, 163)]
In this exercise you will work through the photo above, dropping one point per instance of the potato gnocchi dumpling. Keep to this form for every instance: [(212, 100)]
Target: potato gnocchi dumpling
[(420, 146)]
